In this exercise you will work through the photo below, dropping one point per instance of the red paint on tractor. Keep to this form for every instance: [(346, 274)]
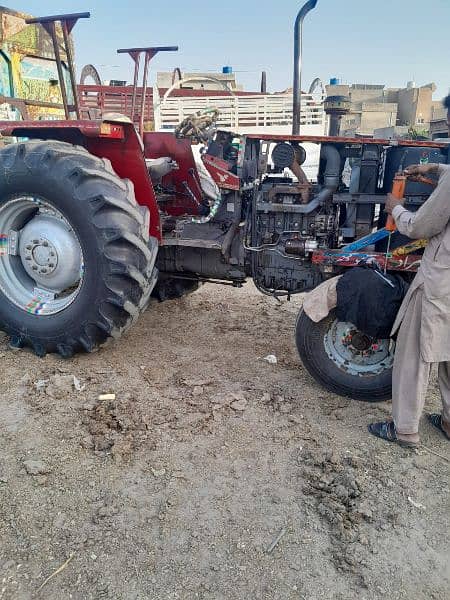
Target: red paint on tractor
[(218, 169), (128, 162), (183, 183), (37, 129), (341, 258)]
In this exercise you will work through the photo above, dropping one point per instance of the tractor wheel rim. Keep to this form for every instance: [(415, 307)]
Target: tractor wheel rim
[(355, 353), (41, 261)]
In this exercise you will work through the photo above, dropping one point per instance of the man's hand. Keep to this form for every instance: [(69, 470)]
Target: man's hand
[(427, 169), (392, 202)]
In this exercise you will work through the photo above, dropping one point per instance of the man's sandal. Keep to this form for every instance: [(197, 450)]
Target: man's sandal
[(436, 420), (386, 430)]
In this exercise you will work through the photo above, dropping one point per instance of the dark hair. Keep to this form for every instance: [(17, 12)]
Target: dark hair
[(446, 102)]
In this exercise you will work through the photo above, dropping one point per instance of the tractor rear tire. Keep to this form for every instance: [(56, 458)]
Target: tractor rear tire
[(336, 368), (100, 252)]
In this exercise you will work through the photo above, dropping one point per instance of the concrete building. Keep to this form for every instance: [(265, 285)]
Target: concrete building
[(438, 123), (200, 81), (377, 107), (414, 105)]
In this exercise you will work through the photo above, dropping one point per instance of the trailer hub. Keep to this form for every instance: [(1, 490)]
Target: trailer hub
[(355, 352), (360, 341)]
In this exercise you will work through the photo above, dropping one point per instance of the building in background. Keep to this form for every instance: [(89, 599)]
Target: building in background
[(375, 107), (438, 123)]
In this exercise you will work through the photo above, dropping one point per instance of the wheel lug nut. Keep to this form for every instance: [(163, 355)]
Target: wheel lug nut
[(45, 243), (29, 247), (34, 267)]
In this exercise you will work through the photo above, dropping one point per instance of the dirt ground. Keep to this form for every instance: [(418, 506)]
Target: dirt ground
[(213, 474)]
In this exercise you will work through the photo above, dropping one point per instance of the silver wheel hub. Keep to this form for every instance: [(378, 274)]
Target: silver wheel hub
[(355, 352), (42, 242), (41, 261)]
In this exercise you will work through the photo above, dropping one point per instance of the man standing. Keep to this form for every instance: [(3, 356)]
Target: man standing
[(423, 322)]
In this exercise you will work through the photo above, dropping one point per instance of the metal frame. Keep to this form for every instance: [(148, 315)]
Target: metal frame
[(68, 22), (324, 139), (135, 54), (397, 260)]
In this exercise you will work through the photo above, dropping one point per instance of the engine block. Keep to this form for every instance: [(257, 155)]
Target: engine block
[(283, 230)]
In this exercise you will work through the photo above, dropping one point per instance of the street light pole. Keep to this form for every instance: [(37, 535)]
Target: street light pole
[(298, 43)]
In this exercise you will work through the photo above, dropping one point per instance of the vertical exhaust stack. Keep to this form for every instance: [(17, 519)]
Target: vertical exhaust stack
[(264, 82), (296, 88)]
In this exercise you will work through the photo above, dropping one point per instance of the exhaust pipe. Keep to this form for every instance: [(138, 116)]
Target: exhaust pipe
[(331, 178), (296, 88), (264, 82)]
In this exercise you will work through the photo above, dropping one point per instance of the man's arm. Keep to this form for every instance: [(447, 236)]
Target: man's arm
[(433, 216)]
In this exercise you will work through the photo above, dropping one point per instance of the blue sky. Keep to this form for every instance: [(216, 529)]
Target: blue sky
[(372, 41)]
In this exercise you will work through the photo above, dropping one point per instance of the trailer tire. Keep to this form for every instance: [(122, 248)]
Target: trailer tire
[(51, 186), (324, 355)]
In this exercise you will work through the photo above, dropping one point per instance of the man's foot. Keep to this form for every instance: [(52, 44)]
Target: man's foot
[(437, 420), (386, 431)]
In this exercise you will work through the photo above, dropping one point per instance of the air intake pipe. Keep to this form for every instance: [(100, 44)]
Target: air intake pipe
[(331, 178)]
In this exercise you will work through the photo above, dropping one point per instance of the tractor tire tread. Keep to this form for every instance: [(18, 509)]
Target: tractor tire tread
[(126, 252)]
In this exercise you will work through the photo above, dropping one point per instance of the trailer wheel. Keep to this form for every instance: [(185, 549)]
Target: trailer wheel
[(76, 261), (170, 288), (344, 360)]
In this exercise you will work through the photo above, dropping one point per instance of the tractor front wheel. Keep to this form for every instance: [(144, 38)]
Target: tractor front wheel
[(344, 360), (76, 261)]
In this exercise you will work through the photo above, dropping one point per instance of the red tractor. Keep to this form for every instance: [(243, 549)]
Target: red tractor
[(95, 218)]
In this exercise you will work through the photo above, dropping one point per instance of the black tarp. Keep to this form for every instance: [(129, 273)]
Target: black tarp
[(370, 299)]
